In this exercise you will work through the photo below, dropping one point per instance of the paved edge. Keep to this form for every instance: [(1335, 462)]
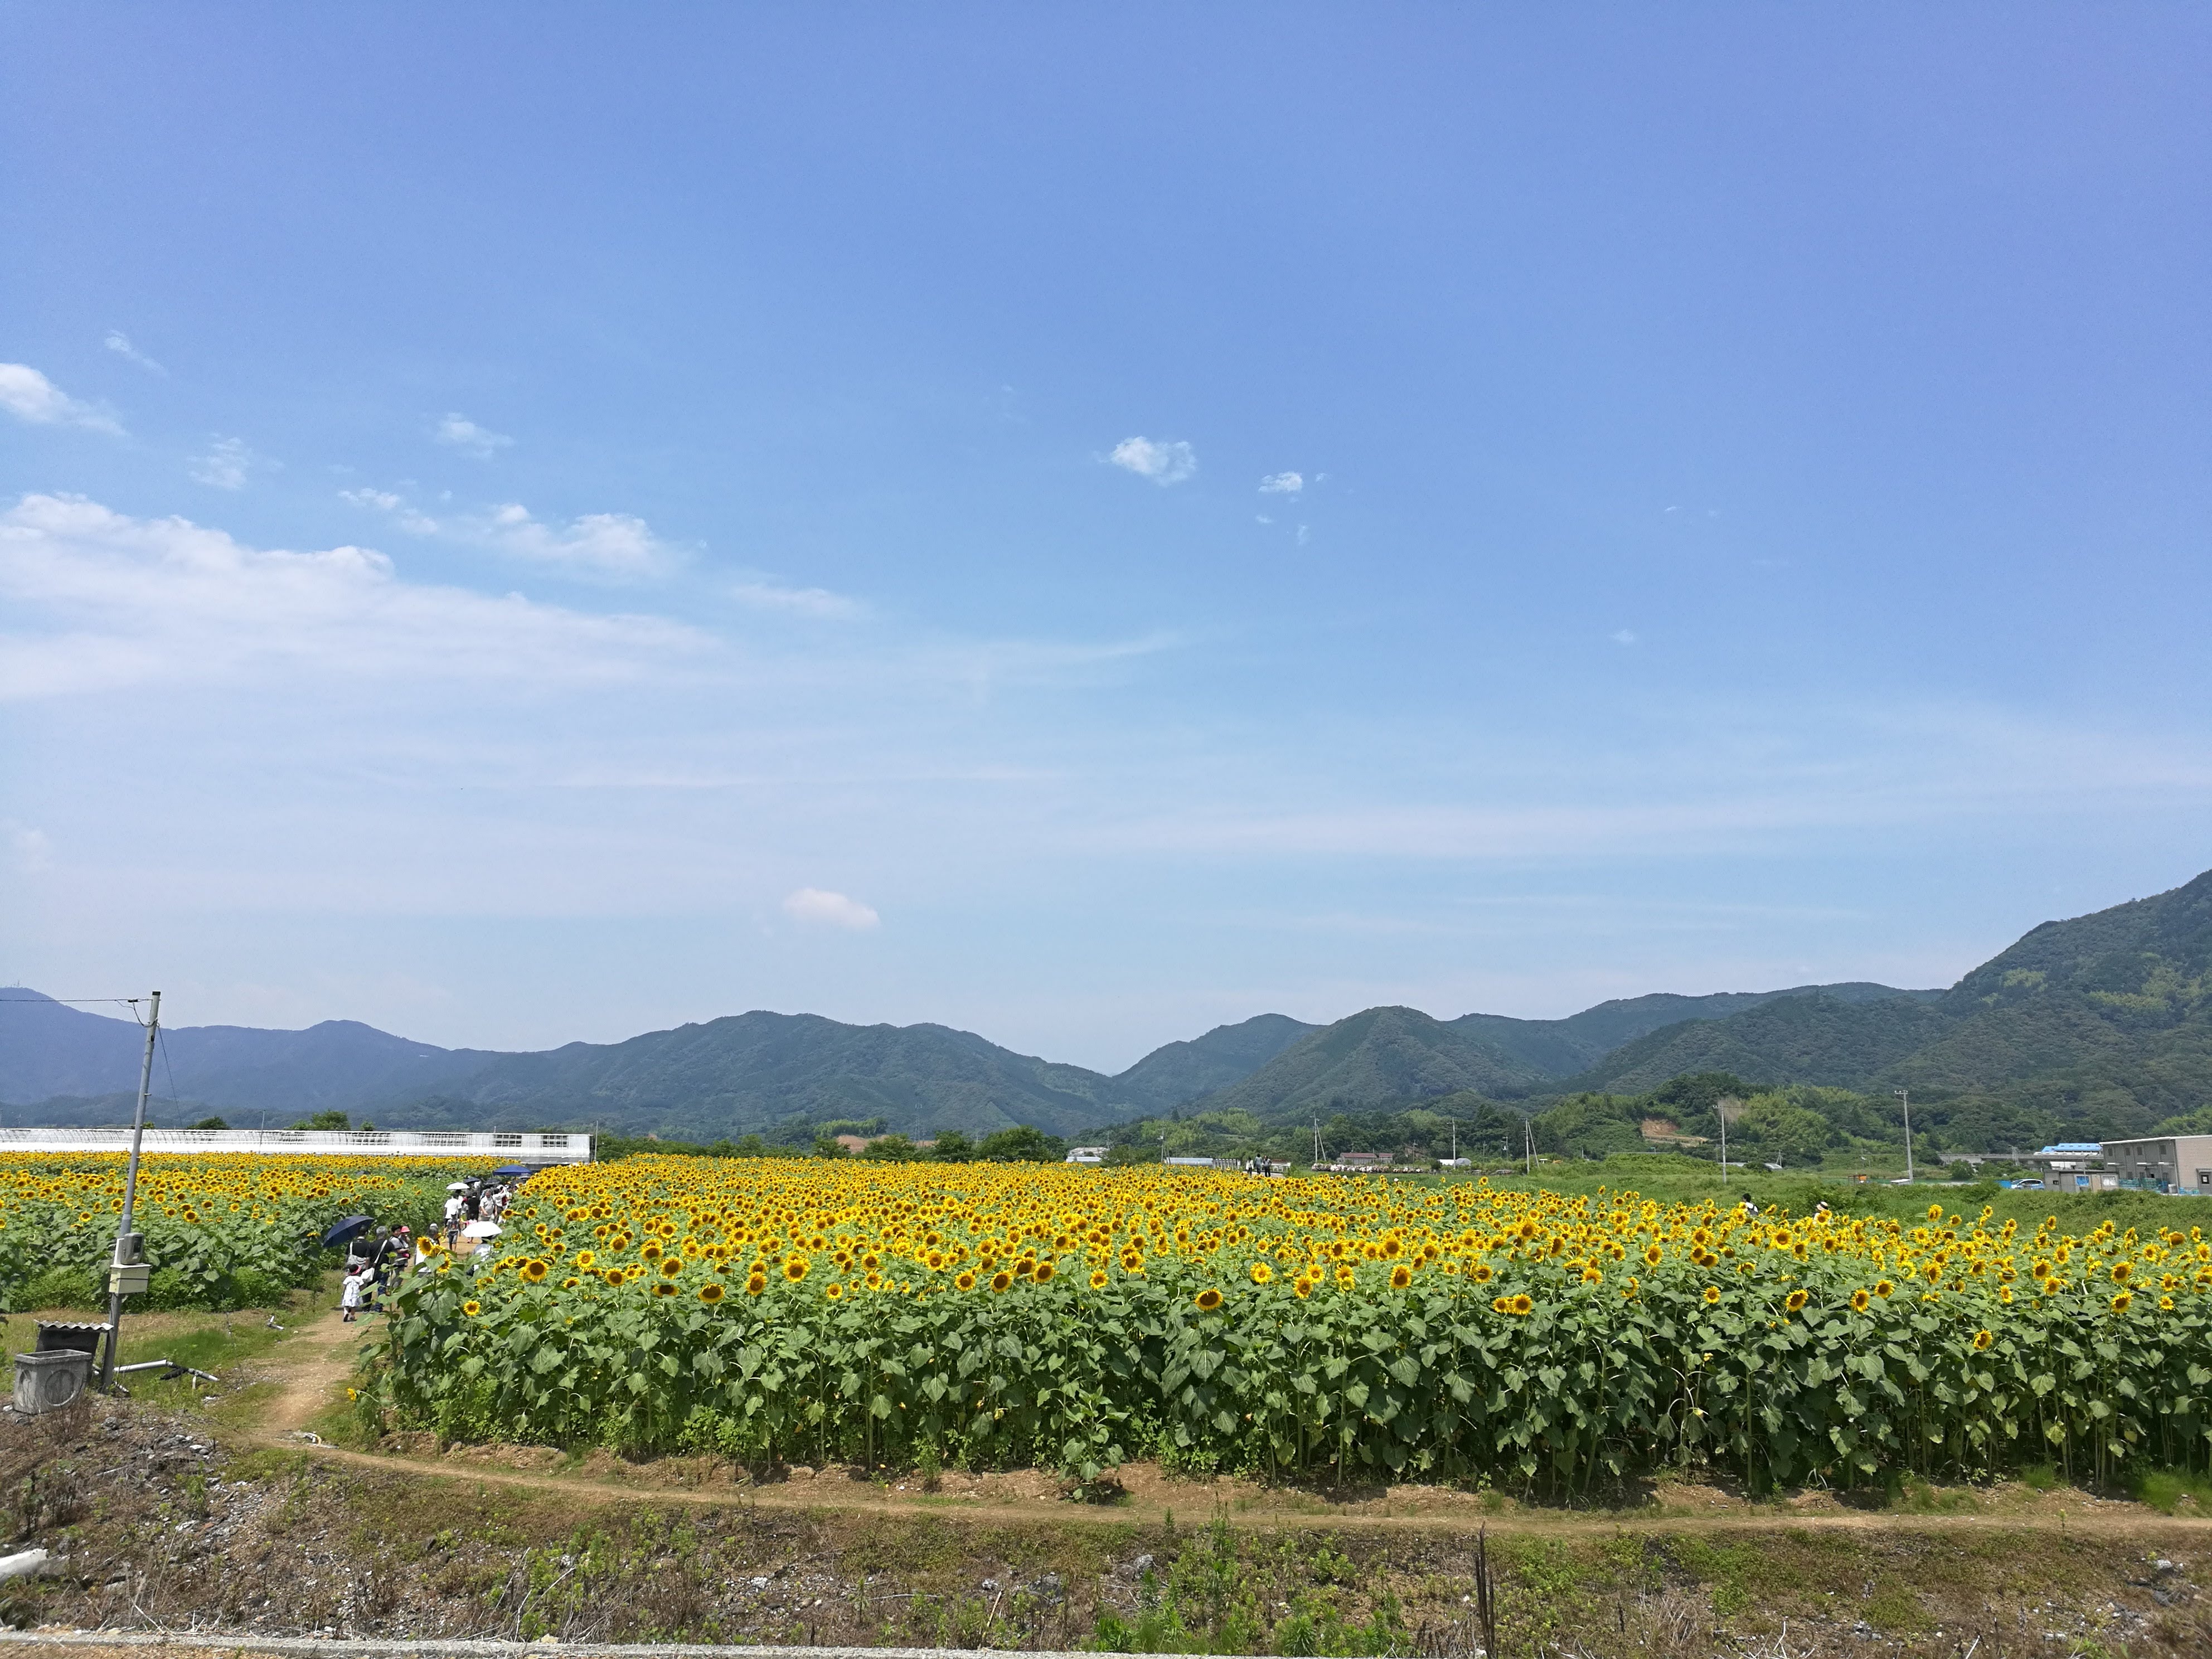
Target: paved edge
[(328, 1647)]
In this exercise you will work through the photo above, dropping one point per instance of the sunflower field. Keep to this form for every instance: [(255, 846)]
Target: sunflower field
[(220, 1231), (998, 1315)]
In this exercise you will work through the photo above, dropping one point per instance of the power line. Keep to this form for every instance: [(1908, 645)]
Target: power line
[(35, 1001), (162, 1038)]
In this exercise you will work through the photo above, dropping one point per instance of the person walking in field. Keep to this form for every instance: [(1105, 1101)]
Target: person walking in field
[(350, 1294)]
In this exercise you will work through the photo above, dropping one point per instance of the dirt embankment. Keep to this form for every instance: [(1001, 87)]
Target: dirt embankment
[(158, 1525)]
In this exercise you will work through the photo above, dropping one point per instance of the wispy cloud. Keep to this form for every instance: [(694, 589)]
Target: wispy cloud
[(29, 850), (816, 907), (1624, 636), (816, 601), (459, 432), (120, 343), (101, 600), (30, 396), (1164, 462), (616, 545), (1282, 483), (228, 463), (413, 522)]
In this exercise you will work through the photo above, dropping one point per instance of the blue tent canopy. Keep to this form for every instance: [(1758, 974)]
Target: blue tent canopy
[(518, 1171)]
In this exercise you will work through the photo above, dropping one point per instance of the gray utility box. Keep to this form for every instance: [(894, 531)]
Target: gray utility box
[(60, 1370)]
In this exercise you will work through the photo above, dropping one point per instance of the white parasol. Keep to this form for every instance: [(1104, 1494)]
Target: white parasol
[(481, 1229), (457, 1186)]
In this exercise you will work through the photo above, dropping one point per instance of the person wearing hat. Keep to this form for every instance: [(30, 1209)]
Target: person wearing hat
[(454, 1207), (397, 1249), (379, 1259)]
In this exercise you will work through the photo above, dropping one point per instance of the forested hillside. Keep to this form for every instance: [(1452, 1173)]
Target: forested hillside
[(2088, 1028)]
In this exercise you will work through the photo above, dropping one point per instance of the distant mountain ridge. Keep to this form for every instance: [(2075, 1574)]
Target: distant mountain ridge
[(755, 1072), (2100, 1023), (2103, 1021)]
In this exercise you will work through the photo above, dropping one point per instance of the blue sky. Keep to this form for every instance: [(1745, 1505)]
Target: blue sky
[(520, 524)]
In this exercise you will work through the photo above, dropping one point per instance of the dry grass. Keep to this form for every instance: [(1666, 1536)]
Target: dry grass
[(161, 1527)]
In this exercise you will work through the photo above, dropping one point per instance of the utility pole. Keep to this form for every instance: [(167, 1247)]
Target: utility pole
[(1528, 1144), (1906, 1095), (1720, 1111), (126, 1241), (1455, 1123), (1317, 1161)]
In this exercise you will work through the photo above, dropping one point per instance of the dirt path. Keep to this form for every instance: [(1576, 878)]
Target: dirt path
[(2118, 1521), (310, 1373)]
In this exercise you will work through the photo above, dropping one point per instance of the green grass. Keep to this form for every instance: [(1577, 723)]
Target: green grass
[(1668, 1178), (2169, 1490)]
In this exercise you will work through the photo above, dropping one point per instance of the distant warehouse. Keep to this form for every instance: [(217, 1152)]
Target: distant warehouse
[(2165, 1164), (514, 1147)]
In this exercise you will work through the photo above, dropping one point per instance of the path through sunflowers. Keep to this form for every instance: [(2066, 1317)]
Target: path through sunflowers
[(220, 1231)]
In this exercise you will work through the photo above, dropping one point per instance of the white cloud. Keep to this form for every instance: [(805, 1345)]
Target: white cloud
[(607, 544), (817, 602), (30, 396), (229, 463), (459, 432), (120, 343), (384, 501), (1624, 636), (814, 906), (1164, 462), (1281, 484), (98, 600)]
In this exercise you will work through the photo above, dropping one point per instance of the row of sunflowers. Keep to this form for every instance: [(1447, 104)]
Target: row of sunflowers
[(1013, 1314)]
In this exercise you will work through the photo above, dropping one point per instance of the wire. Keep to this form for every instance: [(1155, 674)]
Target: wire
[(162, 1042), (71, 1000)]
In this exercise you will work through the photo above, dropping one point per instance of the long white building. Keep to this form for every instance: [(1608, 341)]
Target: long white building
[(510, 1146)]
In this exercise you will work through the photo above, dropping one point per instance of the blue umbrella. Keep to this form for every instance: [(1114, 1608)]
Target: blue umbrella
[(347, 1228)]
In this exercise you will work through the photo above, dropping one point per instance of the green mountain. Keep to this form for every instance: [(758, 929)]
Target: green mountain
[(750, 1072), (2093, 1027), (77, 1064), (1380, 1055), (1180, 1072), (1799, 1039), (1558, 1048)]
